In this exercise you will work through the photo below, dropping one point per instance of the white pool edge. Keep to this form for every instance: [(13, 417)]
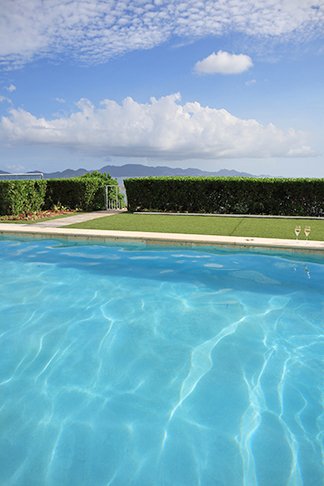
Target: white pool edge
[(150, 238)]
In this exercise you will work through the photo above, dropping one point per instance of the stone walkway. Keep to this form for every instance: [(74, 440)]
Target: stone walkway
[(77, 218)]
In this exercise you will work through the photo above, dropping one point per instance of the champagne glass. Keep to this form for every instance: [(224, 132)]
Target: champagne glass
[(307, 231), (297, 231)]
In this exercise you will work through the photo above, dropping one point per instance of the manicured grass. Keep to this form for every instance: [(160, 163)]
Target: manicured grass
[(207, 225)]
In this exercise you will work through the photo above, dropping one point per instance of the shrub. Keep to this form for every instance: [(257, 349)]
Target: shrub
[(86, 192), (21, 196), (74, 193), (25, 196), (106, 180), (227, 195)]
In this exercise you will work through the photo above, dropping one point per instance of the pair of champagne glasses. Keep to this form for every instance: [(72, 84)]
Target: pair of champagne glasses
[(307, 231)]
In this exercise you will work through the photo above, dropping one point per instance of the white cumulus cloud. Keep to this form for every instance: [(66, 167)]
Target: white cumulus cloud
[(11, 88), (93, 31), (163, 128), (4, 99), (222, 62)]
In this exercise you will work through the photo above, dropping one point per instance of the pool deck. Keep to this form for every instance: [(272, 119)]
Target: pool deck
[(56, 229)]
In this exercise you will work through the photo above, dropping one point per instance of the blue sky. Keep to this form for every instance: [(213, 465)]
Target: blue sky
[(213, 84)]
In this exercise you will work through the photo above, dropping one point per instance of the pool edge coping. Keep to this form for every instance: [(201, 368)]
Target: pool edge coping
[(152, 238)]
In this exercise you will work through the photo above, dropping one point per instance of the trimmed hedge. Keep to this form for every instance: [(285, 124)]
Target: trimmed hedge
[(86, 193), (227, 195), (75, 193), (21, 196)]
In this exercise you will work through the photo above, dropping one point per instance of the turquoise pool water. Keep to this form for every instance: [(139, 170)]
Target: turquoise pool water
[(121, 365)]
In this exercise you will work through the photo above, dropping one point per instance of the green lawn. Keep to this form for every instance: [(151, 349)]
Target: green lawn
[(207, 225)]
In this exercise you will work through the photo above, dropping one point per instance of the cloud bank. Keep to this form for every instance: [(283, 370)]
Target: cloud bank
[(222, 62), (93, 31), (162, 129)]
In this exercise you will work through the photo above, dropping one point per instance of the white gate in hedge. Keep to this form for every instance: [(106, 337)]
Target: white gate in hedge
[(112, 200)]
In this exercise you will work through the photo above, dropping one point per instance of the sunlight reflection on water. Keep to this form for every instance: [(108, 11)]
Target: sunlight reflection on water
[(152, 367)]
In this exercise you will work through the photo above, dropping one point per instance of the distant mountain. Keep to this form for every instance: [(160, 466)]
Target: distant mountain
[(139, 170), (65, 174)]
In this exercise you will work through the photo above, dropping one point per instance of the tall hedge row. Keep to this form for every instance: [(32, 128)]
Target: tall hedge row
[(86, 192), (24, 196), (227, 195), (20, 196), (75, 193)]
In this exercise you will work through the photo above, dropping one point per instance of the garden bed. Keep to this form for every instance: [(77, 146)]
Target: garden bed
[(36, 216)]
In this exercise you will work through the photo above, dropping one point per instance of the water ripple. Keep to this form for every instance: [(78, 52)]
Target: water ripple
[(126, 365)]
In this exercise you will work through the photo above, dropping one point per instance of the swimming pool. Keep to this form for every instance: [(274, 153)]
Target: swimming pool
[(159, 366)]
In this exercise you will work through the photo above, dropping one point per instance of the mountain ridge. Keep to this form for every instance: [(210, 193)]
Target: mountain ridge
[(139, 170)]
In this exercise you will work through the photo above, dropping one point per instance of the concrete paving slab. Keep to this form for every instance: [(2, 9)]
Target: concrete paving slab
[(76, 218)]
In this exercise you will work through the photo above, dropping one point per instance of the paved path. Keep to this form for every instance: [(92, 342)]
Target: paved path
[(77, 218)]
